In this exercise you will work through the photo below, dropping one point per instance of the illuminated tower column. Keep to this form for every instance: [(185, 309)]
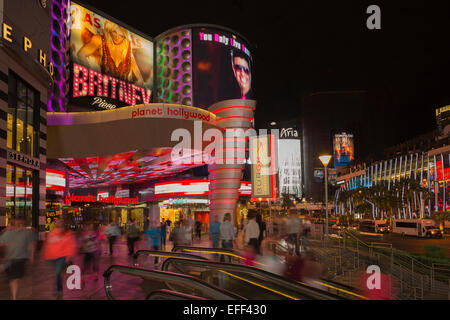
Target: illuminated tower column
[(225, 178)]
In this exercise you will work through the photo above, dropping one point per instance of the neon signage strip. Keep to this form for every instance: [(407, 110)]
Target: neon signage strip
[(154, 110), (191, 188)]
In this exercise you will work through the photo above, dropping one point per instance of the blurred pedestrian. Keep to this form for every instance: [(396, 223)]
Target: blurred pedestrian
[(59, 248), (251, 231), (90, 247), (154, 238), (187, 233), (294, 267), (262, 230), (132, 236), (198, 230), (271, 262), (20, 245), (214, 231), (112, 232), (227, 235), (175, 235), (163, 231), (293, 228)]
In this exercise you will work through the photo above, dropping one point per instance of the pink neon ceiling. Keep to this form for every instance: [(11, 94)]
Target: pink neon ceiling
[(124, 168)]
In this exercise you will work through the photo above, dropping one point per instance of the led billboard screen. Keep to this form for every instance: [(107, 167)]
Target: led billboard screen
[(222, 67), (55, 180), (111, 66), (289, 166), (344, 153)]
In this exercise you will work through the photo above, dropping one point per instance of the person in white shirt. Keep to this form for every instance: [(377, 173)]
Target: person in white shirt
[(227, 235), (251, 231)]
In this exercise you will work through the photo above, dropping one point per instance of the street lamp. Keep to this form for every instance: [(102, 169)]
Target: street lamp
[(325, 160)]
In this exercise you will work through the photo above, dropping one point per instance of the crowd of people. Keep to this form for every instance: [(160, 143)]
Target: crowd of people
[(62, 245)]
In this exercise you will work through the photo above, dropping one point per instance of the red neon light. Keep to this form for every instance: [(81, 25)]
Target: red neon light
[(236, 117), (241, 107)]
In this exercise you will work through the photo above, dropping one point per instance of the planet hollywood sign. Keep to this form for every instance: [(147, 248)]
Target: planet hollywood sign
[(110, 199)]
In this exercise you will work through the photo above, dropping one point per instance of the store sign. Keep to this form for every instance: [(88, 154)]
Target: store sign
[(263, 161), (19, 157), (183, 201), (286, 133), (55, 180), (100, 198), (123, 193)]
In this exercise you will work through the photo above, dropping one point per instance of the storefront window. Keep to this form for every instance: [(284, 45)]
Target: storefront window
[(19, 194), (22, 123)]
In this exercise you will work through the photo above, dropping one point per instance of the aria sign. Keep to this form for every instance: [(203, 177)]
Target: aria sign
[(288, 133)]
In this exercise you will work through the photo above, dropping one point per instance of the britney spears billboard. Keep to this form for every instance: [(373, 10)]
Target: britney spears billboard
[(111, 66)]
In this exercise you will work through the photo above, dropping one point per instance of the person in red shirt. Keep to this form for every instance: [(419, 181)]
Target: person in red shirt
[(59, 247)]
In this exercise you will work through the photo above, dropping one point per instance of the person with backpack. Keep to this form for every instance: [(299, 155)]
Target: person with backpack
[(132, 236)]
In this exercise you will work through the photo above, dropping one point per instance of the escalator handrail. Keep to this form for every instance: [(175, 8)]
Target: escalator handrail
[(165, 254), (229, 252), (165, 294), (289, 284), (211, 290)]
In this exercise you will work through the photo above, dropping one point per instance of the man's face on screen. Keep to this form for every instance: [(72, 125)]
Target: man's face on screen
[(242, 72)]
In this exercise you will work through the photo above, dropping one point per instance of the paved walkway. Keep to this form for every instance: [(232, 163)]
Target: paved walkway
[(39, 282)]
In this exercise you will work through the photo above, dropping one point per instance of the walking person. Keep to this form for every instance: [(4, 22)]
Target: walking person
[(154, 238), (163, 231), (227, 235), (187, 233), (132, 236), (59, 248), (175, 235), (262, 230), (214, 231), (90, 247), (112, 232), (251, 231), (293, 228), (20, 245), (198, 230)]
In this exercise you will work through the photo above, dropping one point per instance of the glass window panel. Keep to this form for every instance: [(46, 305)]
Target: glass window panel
[(20, 193), (21, 128), (21, 91), (9, 193), (10, 124)]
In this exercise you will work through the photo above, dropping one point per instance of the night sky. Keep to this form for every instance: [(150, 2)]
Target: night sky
[(325, 45)]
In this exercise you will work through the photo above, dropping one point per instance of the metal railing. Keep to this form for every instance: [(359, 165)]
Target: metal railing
[(269, 281), (194, 284), (163, 254)]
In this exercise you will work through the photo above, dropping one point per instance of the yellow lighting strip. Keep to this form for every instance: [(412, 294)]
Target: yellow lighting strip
[(339, 289), (259, 285), (225, 253)]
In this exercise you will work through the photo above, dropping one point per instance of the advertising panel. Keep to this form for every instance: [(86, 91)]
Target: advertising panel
[(289, 164), (222, 67), (111, 66), (319, 175), (55, 180), (344, 153), (262, 167)]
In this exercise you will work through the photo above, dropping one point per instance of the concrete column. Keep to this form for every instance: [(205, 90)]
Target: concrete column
[(225, 173)]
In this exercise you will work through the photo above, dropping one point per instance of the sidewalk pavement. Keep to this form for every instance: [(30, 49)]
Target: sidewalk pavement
[(39, 282)]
